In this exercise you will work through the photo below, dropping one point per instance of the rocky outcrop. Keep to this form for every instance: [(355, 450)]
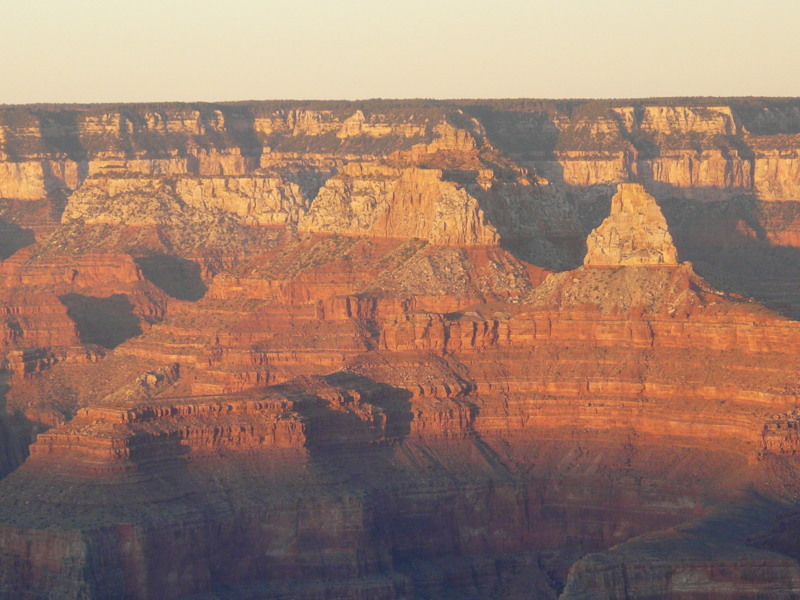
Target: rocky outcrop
[(379, 201), (777, 172), (157, 201), (690, 174), (57, 311), (68, 272), (35, 321), (635, 233), (379, 126), (669, 120), (703, 570), (302, 122), (23, 181), (703, 175), (259, 201)]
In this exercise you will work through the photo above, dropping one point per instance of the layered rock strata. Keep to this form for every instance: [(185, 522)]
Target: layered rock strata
[(262, 164), (389, 403), (690, 147), (376, 417), (411, 203)]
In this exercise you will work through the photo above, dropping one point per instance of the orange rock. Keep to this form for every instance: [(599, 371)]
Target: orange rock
[(634, 234), (390, 403), (410, 203)]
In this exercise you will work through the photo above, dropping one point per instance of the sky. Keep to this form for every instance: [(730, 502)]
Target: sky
[(221, 50)]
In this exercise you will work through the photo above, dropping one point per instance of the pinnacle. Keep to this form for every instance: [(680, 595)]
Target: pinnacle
[(635, 233)]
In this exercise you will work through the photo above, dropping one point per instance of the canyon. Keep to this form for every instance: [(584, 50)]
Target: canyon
[(400, 350)]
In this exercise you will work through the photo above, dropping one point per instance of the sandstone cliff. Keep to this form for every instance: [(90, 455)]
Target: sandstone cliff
[(137, 201), (409, 203), (634, 234), (719, 148)]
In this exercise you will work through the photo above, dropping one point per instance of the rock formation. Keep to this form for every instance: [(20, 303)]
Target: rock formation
[(322, 351), (151, 201), (634, 234), (409, 203)]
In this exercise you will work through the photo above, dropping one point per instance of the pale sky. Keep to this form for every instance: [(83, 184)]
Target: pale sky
[(215, 50)]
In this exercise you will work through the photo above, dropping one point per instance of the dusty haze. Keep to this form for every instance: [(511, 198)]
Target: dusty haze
[(124, 51)]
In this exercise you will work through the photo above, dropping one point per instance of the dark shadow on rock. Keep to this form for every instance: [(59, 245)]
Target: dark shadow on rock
[(14, 444), (240, 126), (393, 401), (58, 191), (13, 238), (503, 577), (351, 444), (61, 136), (178, 277), (310, 180), (104, 321), (591, 204), (728, 244), (524, 135), (784, 536), (334, 427), (556, 254), (4, 387), (61, 133), (17, 433)]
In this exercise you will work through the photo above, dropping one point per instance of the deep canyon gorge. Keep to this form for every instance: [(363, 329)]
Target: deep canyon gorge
[(391, 350)]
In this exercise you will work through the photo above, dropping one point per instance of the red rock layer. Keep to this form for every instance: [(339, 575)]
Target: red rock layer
[(310, 307), (381, 417), (492, 430), (99, 275), (354, 481)]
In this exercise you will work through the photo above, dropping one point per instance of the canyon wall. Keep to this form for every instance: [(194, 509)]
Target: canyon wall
[(693, 149), (360, 350)]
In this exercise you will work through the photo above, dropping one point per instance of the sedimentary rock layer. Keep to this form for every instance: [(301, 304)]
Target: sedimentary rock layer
[(344, 352)]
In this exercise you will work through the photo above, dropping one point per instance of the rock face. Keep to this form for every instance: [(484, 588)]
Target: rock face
[(312, 352), (403, 425), (399, 203), (641, 569), (140, 201), (634, 234)]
